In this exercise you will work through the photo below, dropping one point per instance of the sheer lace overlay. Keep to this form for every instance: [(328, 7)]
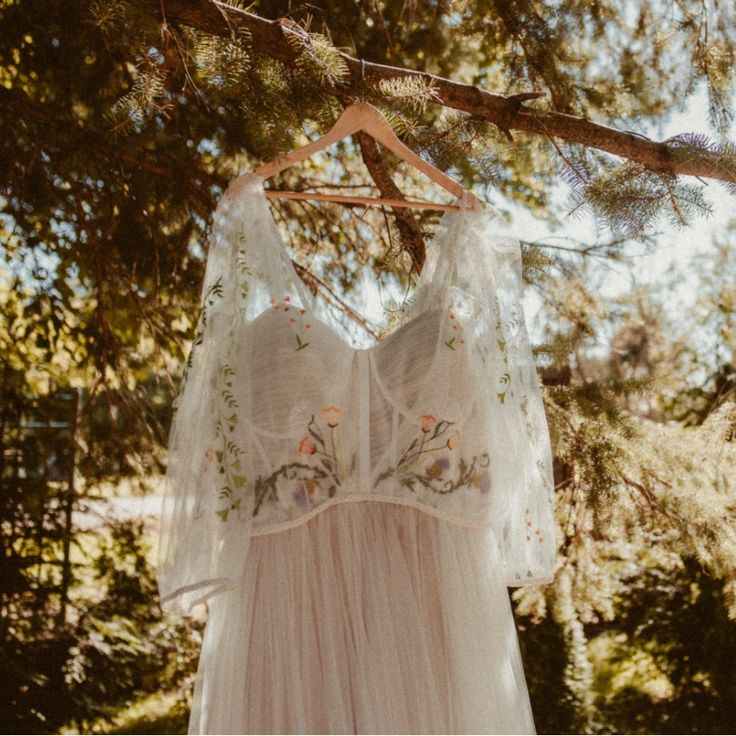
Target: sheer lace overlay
[(278, 417)]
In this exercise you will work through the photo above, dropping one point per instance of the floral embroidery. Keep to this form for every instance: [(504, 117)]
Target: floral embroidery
[(328, 468), (432, 476), (428, 423), (505, 378), (307, 446), (243, 268), (454, 440), (295, 315), (228, 457), (457, 328), (214, 292), (529, 531), (482, 481), (323, 470), (331, 415)]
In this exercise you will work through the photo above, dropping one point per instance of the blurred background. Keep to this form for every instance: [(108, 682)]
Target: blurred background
[(120, 125)]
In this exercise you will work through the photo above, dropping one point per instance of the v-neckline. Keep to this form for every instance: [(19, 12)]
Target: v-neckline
[(446, 226)]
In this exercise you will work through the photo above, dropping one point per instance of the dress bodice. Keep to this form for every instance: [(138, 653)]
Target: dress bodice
[(279, 417)]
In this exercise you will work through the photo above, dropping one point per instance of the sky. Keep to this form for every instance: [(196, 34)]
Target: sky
[(674, 246)]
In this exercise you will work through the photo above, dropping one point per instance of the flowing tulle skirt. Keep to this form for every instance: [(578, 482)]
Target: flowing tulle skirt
[(368, 618)]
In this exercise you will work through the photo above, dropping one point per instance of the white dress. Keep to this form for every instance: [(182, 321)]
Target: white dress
[(354, 516)]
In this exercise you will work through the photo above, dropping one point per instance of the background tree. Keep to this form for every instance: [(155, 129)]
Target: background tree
[(120, 124)]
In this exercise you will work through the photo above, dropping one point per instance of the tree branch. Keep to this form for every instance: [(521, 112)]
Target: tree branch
[(506, 112), (411, 235)]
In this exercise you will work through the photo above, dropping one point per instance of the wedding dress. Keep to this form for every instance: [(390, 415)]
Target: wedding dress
[(353, 516)]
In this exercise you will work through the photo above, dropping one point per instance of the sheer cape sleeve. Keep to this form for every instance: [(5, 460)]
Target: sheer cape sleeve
[(202, 544), (208, 508), (523, 510)]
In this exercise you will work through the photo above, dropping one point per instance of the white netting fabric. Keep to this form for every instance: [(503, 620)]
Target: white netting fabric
[(278, 416)]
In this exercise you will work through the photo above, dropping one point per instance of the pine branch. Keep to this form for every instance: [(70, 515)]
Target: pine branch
[(508, 113)]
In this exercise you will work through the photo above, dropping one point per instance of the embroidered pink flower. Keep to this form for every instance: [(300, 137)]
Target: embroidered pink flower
[(453, 441), (428, 422), (307, 447), (331, 415), (209, 453), (529, 532)]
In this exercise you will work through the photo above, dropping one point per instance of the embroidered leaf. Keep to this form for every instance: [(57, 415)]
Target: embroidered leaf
[(300, 344), (450, 343), (311, 428), (239, 480), (223, 514)]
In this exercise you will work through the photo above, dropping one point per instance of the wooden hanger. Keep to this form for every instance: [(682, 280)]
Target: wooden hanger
[(366, 117)]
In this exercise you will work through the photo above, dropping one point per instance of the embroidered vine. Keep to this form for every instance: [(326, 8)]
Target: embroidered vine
[(245, 271), (214, 292), (229, 455), (505, 378), (326, 469), (432, 476)]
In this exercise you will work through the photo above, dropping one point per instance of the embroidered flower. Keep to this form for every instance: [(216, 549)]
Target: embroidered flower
[(453, 441), (482, 481), (209, 453), (529, 531), (331, 415), (303, 494), (438, 467), (307, 447), (428, 422), (458, 338), (300, 497), (320, 478), (295, 318)]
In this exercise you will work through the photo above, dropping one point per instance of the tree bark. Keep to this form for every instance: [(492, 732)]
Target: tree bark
[(507, 112)]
